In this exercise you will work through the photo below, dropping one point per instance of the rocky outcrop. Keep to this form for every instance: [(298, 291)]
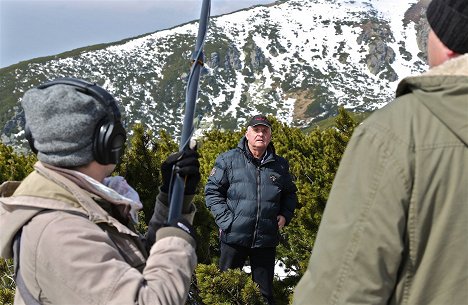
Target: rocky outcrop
[(258, 59), (214, 60), (380, 55), (14, 125), (375, 34), (417, 14), (232, 58)]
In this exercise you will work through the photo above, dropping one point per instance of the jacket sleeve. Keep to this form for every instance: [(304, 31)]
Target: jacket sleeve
[(288, 196), (67, 259), (216, 194), (360, 242)]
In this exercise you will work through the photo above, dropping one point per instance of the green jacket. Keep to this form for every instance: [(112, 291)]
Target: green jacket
[(395, 228), (74, 250)]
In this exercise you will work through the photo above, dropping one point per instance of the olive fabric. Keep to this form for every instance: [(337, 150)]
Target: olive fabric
[(394, 230)]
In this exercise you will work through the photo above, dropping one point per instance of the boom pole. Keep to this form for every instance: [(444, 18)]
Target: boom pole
[(191, 95)]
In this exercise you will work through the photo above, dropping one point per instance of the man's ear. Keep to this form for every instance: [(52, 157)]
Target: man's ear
[(451, 54)]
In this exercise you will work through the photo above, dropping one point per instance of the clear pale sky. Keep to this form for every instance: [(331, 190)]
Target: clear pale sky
[(35, 28)]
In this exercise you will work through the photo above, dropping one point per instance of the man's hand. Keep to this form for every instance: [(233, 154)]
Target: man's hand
[(185, 164), (281, 221)]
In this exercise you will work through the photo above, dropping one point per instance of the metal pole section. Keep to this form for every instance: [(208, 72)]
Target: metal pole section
[(191, 94)]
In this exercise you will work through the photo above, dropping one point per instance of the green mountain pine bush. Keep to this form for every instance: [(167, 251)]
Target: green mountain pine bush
[(232, 287), (16, 167), (7, 288), (313, 157)]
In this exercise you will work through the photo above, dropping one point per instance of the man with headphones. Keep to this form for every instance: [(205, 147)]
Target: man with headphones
[(70, 227)]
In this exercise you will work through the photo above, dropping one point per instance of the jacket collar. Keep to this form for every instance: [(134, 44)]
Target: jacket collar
[(46, 188), (443, 90), (446, 72), (269, 153), (456, 66)]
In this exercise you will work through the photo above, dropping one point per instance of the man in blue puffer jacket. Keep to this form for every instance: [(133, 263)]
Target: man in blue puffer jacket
[(252, 196)]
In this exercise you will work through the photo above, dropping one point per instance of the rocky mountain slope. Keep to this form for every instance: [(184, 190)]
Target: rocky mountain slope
[(296, 59)]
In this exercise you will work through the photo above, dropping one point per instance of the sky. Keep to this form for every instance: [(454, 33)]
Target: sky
[(36, 28)]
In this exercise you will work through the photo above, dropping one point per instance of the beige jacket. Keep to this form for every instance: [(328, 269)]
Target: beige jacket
[(395, 228), (75, 252)]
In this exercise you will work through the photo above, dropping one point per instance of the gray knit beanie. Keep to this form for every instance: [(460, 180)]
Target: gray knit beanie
[(449, 21), (62, 122)]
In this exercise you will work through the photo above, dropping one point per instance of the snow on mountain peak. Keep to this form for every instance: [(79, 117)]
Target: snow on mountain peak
[(298, 60)]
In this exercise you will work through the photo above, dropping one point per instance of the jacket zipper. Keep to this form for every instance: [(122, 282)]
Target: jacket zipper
[(258, 206)]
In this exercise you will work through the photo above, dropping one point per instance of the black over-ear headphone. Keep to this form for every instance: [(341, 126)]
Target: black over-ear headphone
[(109, 136)]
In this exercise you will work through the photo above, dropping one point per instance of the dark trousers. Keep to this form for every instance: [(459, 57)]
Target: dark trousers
[(262, 263)]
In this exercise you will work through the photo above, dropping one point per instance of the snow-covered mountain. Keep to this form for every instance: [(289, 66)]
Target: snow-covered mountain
[(296, 59)]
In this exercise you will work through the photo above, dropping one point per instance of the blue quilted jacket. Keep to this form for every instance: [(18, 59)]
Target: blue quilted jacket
[(245, 196)]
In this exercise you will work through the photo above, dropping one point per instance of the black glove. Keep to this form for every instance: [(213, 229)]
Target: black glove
[(185, 164), (182, 224)]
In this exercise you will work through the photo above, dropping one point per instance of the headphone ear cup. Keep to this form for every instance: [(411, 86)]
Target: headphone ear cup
[(29, 137), (99, 141), (109, 140), (117, 142)]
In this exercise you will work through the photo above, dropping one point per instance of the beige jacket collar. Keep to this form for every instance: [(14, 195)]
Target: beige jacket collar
[(46, 189), (456, 66)]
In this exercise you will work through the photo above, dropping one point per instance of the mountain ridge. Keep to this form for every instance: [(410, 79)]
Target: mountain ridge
[(298, 60)]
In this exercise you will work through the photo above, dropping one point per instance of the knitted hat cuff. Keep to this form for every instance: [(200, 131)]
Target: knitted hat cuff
[(449, 21)]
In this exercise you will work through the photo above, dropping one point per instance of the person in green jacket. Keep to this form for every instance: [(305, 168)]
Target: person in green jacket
[(395, 228), (71, 226)]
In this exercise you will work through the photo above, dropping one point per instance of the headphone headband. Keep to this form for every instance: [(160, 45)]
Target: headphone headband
[(88, 88)]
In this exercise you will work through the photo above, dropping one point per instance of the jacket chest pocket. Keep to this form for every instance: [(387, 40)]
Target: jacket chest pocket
[(272, 185), (276, 179)]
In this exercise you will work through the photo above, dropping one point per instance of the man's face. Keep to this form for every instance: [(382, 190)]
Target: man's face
[(258, 137)]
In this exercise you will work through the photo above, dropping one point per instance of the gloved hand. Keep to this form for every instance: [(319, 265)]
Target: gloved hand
[(182, 224), (185, 164)]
